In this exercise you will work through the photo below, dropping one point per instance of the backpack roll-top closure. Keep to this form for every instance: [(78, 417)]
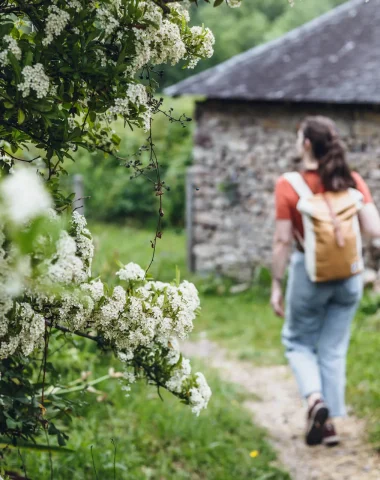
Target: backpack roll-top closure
[(342, 203)]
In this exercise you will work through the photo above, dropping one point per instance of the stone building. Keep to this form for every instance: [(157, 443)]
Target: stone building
[(246, 125)]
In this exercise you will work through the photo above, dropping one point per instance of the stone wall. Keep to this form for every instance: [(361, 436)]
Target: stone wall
[(240, 150)]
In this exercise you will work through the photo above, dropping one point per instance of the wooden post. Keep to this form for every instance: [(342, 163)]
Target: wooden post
[(79, 194), (189, 219)]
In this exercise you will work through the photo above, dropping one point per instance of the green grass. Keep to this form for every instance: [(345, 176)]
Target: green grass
[(244, 323), (364, 372), (160, 440), (127, 244)]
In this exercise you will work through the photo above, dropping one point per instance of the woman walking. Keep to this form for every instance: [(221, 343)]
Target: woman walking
[(320, 208)]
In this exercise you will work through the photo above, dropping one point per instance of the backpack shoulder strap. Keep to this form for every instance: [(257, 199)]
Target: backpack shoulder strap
[(357, 197), (299, 185)]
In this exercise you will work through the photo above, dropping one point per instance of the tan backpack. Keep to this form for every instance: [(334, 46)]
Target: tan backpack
[(332, 240)]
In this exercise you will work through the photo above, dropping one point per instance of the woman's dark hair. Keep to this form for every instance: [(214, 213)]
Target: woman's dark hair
[(330, 153)]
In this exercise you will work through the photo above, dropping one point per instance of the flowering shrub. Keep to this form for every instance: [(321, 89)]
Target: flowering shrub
[(134, 319), (71, 67), (68, 69)]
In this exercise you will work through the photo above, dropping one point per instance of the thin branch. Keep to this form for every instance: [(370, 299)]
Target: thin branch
[(67, 330), (18, 159), (159, 193), (46, 347), (23, 466), (50, 457)]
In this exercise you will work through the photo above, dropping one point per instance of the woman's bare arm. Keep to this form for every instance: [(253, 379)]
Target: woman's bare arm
[(282, 243), (369, 219)]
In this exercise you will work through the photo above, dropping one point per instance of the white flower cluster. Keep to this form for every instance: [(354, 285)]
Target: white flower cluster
[(7, 160), (107, 21), (36, 79), (161, 41), (131, 271), (65, 266), (153, 316), (25, 332), (24, 196), (55, 23), (75, 4), (201, 41), (146, 316), (200, 394), (83, 240), (135, 94), (180, 375), (12, 47)]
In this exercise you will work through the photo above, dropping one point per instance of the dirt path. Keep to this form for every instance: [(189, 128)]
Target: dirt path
[(281, 413)]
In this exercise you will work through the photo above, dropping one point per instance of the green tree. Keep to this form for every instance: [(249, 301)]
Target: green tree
[(69, 69)]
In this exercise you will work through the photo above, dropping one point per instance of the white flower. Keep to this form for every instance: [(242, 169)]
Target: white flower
[(65, 267), (33, 328), (12, 47), (131, 271), (83, 239), (20, 271), (202, 40), (234, 3), (200, 395), (95, 289), (75, 4), (129, 377), (55, 24), (180, 374), (113, 308), (35, 79), (79, 222), (174, 352), (107, 21), (125, 357), (24, 196)]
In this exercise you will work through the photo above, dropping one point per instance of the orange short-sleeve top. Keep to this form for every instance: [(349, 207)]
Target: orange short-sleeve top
[(287, 198)]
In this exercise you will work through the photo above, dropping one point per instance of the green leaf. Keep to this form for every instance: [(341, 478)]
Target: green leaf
[(20, 116), (5, 29), (218, 2), (12, 424), (29, 58), (116, 139), (8, 105), (16, 66), (43, 106), (61, 440)]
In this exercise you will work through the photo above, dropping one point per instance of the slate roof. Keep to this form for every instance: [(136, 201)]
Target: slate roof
[(332, 59)]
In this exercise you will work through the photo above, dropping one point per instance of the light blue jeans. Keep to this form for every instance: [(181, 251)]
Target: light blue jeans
[(316, 332)]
